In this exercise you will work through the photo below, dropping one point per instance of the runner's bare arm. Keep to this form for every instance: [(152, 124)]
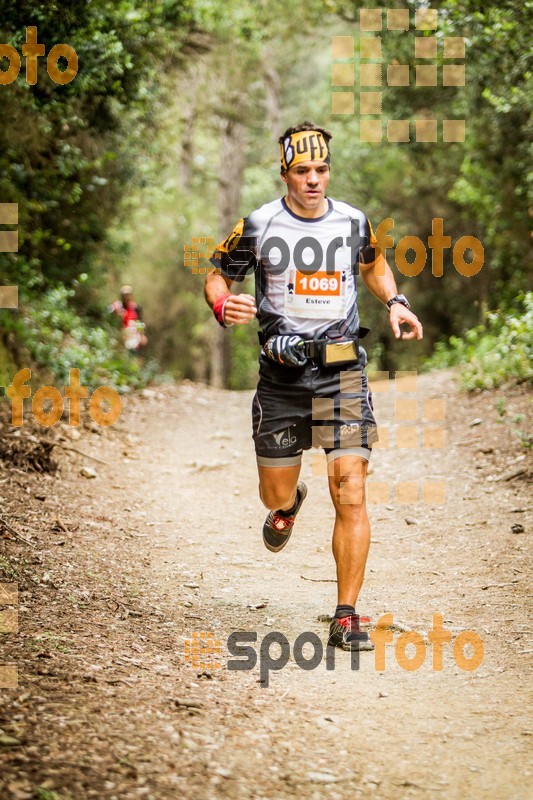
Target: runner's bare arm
[(239, 309), (380, 281)]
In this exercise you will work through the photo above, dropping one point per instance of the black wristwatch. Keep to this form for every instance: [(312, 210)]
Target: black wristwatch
[(399, 298)]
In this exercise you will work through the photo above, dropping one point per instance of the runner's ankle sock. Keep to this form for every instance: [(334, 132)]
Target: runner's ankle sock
[(344, 611), (291, 510)]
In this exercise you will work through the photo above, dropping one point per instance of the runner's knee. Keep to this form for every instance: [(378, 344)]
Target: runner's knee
[(275, 497), (351, 491), (347, 484)]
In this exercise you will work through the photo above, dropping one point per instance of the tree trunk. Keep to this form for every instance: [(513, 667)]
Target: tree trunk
[(185, 157), (189, 90), (272, 89)]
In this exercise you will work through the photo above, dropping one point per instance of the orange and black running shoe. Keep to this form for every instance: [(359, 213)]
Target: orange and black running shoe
[(278, 526), (345, 632)]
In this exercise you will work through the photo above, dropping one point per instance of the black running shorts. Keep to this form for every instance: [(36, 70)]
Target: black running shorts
[(296, 408)]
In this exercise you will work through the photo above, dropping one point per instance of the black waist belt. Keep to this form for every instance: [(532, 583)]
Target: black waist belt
[(332, 350), (311, 344)]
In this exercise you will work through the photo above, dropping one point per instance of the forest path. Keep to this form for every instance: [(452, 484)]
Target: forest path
[(169, 545)]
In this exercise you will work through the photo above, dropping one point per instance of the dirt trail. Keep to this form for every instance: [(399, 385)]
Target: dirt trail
[(168, 543)]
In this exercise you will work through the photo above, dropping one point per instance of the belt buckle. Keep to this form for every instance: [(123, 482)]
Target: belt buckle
[(310, 348)]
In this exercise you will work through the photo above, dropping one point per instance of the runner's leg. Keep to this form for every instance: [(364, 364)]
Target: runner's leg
[(277, 486), (351, 534)]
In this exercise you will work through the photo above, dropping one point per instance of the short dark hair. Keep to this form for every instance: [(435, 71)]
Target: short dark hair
[(306, 125)]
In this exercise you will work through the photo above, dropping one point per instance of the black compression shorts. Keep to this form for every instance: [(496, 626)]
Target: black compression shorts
[(296, 408)]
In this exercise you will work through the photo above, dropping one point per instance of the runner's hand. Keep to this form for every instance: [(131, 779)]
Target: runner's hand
[(239, 309), (286, 350), (400, 314)]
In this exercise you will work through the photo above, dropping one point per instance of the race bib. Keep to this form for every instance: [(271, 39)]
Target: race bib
[(321, 295)]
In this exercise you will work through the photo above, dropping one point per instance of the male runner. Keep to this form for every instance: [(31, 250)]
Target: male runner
[(312, 388)]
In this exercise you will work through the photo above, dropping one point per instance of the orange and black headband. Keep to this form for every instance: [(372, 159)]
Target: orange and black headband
[(303, 146)]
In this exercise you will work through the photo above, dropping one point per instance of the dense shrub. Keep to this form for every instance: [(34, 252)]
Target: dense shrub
[(498, 352), (53, 336)]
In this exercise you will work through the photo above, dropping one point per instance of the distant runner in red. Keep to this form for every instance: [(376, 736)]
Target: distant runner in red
[(306, 250), (132, 325)]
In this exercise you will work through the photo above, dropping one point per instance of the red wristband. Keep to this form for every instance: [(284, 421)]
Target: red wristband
[(218, 308)]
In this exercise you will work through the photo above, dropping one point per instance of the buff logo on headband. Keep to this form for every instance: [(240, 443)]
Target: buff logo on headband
[(303, 146)]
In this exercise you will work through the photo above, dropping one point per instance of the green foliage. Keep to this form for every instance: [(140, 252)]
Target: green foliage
[(48, 794), (501, 406), (498, 352), (480, 187), (67, 157), (8, 367), (62, 157)]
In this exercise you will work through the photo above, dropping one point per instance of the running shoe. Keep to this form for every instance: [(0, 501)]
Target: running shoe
[(346, 633), (278, 527)]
